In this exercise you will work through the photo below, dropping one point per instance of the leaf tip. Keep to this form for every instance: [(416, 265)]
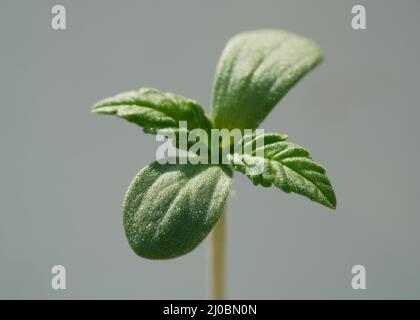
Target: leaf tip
[(94, 110), (332, 202)]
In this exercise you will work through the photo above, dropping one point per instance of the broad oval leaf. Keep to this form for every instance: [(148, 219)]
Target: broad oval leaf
[(255, 71), (154, 110), (287, 166), (169, 209)]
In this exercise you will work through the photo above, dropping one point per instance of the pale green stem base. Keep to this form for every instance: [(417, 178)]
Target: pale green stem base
[(217, 259)]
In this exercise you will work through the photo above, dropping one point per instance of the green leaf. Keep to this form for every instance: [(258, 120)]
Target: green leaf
[(154, 110), (255, 71), (287, 166), (169, 209)]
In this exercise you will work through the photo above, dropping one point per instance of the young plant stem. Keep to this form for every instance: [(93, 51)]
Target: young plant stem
[(217, 259)]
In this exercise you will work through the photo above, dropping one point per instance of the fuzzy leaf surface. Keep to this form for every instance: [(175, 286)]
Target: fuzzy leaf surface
[(255, 71), (154, 110), (286, 165), (169, 209)]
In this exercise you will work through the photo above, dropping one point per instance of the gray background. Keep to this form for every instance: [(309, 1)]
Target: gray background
[(64, 172)]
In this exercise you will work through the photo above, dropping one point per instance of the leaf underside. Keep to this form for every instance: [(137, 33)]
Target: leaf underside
[(287, 166), (169, 209), (255, 71)]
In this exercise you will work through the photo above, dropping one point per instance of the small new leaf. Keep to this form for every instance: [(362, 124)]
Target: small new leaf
[(154, 110), (169, 209), (287, 166), (255, 71)]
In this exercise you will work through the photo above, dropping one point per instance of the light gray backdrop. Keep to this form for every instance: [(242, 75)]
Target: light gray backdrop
[(64, 172)]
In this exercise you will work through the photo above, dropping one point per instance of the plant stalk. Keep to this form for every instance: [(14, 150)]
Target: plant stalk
[(217, 259)]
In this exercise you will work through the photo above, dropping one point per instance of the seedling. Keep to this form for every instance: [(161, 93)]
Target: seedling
[(170, 208)]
